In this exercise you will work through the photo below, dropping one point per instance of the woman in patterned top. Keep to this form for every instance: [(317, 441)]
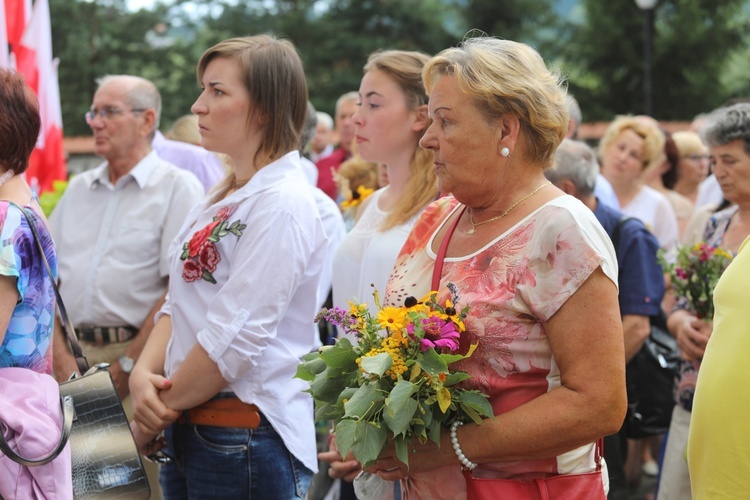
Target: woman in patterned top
[(727, 134), (27, 304), (533, 265), (27, 300)]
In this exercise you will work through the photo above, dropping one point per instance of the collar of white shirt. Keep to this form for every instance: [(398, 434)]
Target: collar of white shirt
[(140, 173)]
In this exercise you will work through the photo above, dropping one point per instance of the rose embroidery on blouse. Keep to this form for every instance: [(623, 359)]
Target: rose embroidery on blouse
[(200, 253)]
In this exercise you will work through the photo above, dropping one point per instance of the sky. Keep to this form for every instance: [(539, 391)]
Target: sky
[(134, 5)]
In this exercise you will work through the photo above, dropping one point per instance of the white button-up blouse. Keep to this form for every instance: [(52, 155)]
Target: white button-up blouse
[(243, 281)]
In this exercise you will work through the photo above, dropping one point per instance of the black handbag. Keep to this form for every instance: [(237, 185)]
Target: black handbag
[(105, 461), (650, 383), (650, 375)]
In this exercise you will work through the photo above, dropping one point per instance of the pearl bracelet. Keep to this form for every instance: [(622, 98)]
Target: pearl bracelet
[(457, 447)]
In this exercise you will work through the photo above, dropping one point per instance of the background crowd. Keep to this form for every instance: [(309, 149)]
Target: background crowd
[(195, 260)]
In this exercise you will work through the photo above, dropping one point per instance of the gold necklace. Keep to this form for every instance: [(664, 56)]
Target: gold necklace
[(474, 225)]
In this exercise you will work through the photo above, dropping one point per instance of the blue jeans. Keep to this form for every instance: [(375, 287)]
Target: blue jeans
[(222, 463)]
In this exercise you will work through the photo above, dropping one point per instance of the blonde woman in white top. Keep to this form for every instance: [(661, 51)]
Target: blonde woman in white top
[(391, 119)]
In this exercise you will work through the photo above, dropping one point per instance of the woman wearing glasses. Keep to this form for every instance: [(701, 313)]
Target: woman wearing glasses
[(692, 168), (244, 272)]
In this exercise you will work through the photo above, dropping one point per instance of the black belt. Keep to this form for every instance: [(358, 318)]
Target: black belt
[(101, 335)]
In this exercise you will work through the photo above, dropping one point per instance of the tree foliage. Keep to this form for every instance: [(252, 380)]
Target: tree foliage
[(693, 40), (700, 56)]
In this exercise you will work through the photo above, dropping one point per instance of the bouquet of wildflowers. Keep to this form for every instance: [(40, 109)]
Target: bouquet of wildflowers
[(694, 275), (396, 383)]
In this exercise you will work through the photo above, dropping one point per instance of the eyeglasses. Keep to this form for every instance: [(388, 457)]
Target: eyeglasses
[(697, 157), (108, 112)]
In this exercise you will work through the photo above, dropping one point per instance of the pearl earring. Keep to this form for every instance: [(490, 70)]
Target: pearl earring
[(505, 152)]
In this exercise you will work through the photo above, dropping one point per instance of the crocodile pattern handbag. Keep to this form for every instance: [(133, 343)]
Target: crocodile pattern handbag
[(105, 461)]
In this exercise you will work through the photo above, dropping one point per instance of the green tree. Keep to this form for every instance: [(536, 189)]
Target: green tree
[(693, 42), (100, 38), (529, 21)]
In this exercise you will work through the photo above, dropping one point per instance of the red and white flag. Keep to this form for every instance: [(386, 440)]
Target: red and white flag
[(16, 15), (34, 61)]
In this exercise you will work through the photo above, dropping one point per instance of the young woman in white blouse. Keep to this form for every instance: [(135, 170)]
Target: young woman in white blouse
[(391, 118), (218, 369)]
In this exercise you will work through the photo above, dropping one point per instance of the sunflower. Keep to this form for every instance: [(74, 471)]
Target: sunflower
[(392, 318)]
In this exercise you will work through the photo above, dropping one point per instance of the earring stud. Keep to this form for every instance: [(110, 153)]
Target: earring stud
[(505, 152)]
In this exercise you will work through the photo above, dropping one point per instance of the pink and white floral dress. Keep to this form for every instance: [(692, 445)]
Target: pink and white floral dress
[(512, 285)]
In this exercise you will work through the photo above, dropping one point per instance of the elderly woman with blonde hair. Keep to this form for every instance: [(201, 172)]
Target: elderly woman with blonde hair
[(538, 274), (629, 148)]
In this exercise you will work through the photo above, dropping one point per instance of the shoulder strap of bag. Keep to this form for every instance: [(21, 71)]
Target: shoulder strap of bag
[(83, 364), (437, 271)]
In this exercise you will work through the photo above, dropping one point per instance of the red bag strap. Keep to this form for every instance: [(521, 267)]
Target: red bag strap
[(437, 271)]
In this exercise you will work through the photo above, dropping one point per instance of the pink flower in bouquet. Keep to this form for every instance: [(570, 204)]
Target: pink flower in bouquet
[(438, 333)]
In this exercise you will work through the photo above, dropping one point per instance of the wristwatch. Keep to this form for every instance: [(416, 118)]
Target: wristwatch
[(127, 364)]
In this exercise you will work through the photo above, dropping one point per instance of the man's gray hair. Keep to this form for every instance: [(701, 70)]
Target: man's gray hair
[(349, 96), (574, 110), (325, 119), (308, 129), (143, 94), (575, 161)]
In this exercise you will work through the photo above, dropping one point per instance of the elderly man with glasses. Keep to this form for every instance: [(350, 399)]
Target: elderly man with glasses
[(112, 228)]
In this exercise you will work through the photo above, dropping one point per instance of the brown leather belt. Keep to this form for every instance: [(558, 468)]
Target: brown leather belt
[(227, 412)]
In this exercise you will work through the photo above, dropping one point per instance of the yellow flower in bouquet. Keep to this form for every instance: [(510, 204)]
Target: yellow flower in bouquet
[(395, 384)]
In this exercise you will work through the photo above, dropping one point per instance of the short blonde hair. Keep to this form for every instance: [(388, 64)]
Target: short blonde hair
[(653, 138), (689, 143), (502, 76)]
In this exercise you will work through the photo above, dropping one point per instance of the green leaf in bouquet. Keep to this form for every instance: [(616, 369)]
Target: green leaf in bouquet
[(369, 441), (432, 363), (341, 355), (365, 402), (345, 435), (433, 429), (477, 403), (452, 358), (455, 377), (326, 387), (326, 411), (402, 449), (378, 364), (400, 407), (346, 395), (308, 369)]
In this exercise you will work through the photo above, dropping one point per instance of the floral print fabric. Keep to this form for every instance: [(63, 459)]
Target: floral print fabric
[(28, 338), (687, 372), (512, 286)]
